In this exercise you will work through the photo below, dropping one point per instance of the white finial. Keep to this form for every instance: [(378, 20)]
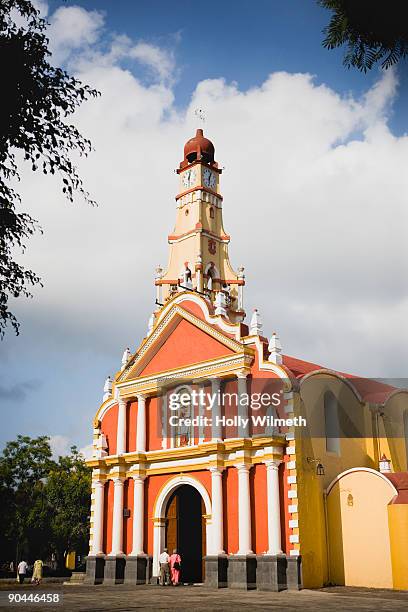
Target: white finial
[(220, 304), (101, 447), (255, 326), (107, 388), (125, 357), (151, 323), (275, 350), (159, 271), (241, 270), (187, 278)]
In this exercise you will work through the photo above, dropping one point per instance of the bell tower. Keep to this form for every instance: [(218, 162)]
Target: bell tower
[(198, 259)]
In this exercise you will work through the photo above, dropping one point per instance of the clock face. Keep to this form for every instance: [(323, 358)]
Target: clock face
[(189, 178), (209, 178)]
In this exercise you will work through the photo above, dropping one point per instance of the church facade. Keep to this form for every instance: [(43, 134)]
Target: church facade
[(212, 441)]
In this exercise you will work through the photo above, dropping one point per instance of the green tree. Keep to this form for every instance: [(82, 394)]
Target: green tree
[(38, 99), (45, 504), (372, 30), (68, 493), (24, 466)]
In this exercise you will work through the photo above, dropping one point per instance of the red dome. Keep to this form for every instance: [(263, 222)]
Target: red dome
[(199, 148)]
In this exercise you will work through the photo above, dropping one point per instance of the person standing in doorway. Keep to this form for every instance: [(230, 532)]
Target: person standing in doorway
[(175, 567), (164, 568), (22, 571)]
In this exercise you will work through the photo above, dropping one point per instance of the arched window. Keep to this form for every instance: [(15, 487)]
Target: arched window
[(183, 435), (212, 213), (331, 423)]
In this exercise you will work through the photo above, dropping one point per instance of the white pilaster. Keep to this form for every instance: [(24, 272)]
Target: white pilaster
[(98, 505), (244, 510), (274, 523), (217, 511), (121, 433), (243, 428), (117, 526), (216, 411), (141, 424), (138, 515), (201, 413)]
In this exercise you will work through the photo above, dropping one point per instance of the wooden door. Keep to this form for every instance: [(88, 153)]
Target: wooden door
[(172, 524)]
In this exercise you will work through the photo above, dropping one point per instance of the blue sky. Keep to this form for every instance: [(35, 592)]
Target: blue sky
[(242, 41), (328, 206)]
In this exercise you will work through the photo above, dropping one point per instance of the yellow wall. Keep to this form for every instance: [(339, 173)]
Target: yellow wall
[(359, 542), (398, 526)]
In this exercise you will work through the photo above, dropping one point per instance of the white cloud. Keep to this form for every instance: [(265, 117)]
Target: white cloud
[(315, 201), (60, 445), (161, 62), (72, 29)]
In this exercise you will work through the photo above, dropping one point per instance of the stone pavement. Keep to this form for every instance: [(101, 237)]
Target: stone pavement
[(125, 598)]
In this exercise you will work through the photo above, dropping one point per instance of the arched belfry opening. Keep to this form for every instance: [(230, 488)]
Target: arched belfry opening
[(185, 531)]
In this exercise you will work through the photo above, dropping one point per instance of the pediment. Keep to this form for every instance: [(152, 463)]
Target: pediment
[(180, 339)]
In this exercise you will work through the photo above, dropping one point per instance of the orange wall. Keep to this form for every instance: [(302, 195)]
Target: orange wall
[(187, 344), (109, 426), (153, 424), (259, 512), (128, 522), (230, 502), (108, 517), (131, 417)]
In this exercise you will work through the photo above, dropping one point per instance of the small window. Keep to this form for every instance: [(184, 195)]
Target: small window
[(212, 213), (331, 421)]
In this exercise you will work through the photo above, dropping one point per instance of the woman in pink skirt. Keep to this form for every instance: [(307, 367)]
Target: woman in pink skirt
[(175, 566)]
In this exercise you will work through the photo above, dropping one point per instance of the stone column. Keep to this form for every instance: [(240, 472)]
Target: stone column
[(216, 411), (243, 430), (141, 424), (274, 523), (98, 506), (117, 527), (121, 433), (217, 511), (138, 515), (244, 511)]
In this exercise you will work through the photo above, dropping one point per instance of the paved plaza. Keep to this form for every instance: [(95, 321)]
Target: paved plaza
[(194, 598)]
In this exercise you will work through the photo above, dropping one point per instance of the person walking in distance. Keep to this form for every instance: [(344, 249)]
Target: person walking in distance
[(37, 572), (164, 560), (175, 567), (22, 571)]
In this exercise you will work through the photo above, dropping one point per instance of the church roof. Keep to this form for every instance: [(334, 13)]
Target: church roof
[(370, 390)]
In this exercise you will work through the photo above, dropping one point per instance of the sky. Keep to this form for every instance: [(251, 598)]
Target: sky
[(315, 188)]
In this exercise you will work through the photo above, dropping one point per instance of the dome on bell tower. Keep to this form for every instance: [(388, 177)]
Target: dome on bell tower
[(198, 148)]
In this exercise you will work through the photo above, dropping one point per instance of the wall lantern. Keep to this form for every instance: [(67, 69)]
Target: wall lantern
[(319, 465), (126, 512)]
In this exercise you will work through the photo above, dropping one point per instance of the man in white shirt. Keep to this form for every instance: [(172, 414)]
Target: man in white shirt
[(22, 571), (164, 568)]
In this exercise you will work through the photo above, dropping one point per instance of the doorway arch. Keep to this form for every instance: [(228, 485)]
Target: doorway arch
[(160, 510)]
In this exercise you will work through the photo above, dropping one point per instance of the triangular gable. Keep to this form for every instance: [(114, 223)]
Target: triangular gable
[(182, 339)]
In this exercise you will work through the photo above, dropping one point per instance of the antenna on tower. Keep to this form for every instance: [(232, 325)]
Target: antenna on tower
[(200, 114)]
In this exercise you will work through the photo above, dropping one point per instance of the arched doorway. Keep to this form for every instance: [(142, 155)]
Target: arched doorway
[(185, 531), (358, 532)]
